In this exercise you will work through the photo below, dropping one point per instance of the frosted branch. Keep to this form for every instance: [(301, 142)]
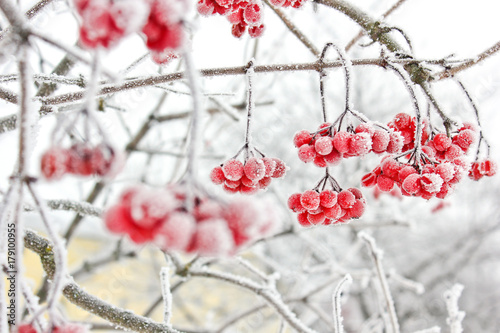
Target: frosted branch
[(76, 295), (455, 316), (336, 300), (166, 295), (377, 255), (434, 329), (82, 208)]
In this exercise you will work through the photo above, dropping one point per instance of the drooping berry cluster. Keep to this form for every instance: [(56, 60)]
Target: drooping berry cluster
[(105, 22), (327, 207), (255, 174), (242, 14), (177, 219), (80, 159), (328, 146), (429, 181), (433, 171), (65, 328), (479, 169)]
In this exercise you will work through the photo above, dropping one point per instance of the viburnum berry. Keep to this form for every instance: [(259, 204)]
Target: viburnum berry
[(54, 163), (465, 138), (163, 28), (323, 145), (254, 168), (233, 169), (328, 198), (346, 199), (479, 169), (310, 200)]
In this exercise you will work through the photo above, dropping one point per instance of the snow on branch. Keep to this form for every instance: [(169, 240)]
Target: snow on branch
[(455, 316)]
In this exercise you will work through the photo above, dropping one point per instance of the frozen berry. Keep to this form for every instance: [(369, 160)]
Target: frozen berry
[(310, 200), (233, 169), (328, 198), (346, 199), (323, 145), (294, 203), (217, 175), (441, 142), (301, 138), (254, 168)]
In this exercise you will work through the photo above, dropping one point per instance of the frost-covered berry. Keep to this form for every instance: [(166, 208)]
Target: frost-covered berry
[(315, 219), (465, 138), (254, 169), (217, 175), (341, 141), (346, 199), (411, 184), (301, 138), (402, 121), (395, 143), (307, 153), (360, 144), (54, 163), (328, 198), (294, 203), (431, 182), (233, 169), (369, 180), (380, 140), (280, 169), (270, 165), (310, 200), (384, 183), (323, 145), (252, 13), (303, 220), (441, 142), (453, 152)]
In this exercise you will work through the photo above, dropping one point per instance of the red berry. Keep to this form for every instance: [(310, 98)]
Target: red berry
[(238, 30), (360, 144), (270, 165), (301, 138), (328, 198), (391, 167), (316, 218), (26, 328), (303, 220), (384, 183), (280, 169), (323, 145), (54, 163), (307, 153), (346, 199), (395, 143), (310, 200), (256, 31), (411, 184), (357, 209), (441, 142), (333, 158), (248, 182), (356, 191), (320, 162), (446, 171), (252, 13), (341, 141), (232, 183), (465, 138), (233, 169), (431, 182), (334, 212), (264, 182), (369, 180), (453, 152), (217, 175), (249, 189), (254, 168), (380, 140), (294, 203), (489, 168), (405, 172), (402, 121)]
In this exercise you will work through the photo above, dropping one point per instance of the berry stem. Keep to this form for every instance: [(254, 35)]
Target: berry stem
[(417, 150), (476, 113), (346, 64), (322, 76), (250, 105)]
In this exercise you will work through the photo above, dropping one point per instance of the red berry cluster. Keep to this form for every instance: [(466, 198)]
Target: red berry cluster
[(65, 328), (256, 174), (406, 126), (327, 207), (171, 220), (479, 169), (80, 159), (242, 14), (429, 181), (105, 22), (327, 146)]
